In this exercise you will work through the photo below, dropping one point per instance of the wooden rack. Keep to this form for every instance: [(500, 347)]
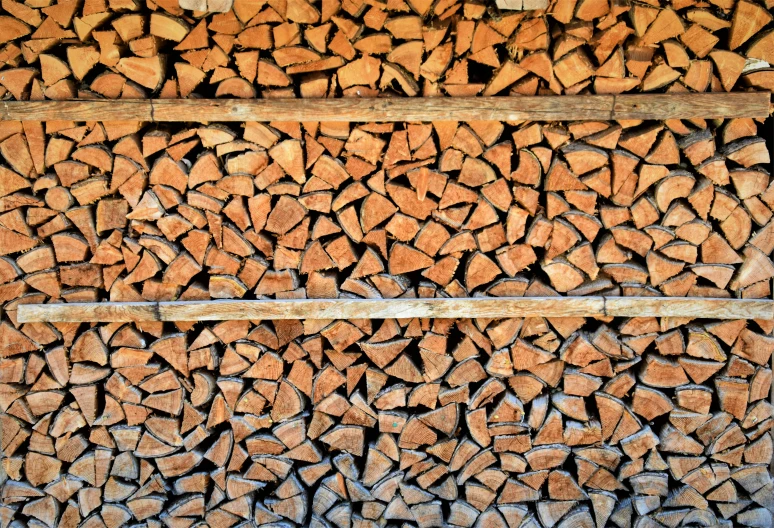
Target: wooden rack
[(474, 307), (539, 108)]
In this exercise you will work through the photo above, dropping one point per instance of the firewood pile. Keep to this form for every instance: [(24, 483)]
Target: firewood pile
[(364, 423), (539, 422), (282, 48), (373, 210)]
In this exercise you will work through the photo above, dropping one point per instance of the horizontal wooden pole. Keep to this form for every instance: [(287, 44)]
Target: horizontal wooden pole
[(539, 108), (484, 307)]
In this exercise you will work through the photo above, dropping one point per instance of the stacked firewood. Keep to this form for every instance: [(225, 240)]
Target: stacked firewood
[(305, 48), (118, 211), (567, 422), (423, 423)]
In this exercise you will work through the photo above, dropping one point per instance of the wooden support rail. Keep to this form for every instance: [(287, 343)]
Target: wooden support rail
[(539, 108), (486, 307)]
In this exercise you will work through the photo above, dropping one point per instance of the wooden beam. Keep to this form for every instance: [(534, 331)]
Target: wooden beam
[(486, 307), (542, 108), (211, 6), (689, 307), (521, 5)]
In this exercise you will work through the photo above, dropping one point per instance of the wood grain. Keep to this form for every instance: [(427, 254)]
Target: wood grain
[(685, 106), (484, 307), (689, 307), (102, 110), (102, 312), (548, 108)]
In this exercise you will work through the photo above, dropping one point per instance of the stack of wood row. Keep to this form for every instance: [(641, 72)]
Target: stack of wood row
[(125, 212), (303, 48), (357, 423), (413, 423)]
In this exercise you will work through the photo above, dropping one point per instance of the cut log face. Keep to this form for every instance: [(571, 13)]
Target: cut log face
[(403, 422)]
